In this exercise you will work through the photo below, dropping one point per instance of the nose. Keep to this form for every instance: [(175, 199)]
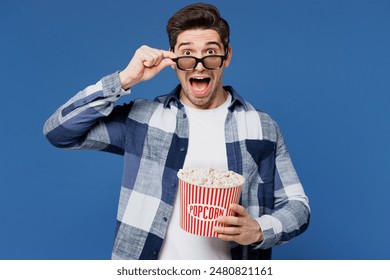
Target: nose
[(199, 66)]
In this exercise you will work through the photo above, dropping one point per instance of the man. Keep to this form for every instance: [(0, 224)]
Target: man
[(200, 123)]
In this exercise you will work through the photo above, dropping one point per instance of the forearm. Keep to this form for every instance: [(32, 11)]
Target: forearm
[(76, 124), (283, 224), (290, 214)]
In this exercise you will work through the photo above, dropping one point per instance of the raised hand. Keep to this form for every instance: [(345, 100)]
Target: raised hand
[(146, 63)]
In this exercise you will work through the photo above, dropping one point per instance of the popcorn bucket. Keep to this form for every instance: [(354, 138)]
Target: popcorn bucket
[(200, 206)]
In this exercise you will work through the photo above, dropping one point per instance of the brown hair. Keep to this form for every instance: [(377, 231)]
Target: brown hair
[(194, 16)]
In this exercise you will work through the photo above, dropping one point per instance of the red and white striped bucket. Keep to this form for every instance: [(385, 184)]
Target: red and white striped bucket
[(201, 206)]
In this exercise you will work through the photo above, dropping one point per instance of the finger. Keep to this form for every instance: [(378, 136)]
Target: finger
[(228, 230), (238, 209), (168, 54), (164, 63), (229, 220), (159, 58), (226, 237), (167, 59), (152, 58)]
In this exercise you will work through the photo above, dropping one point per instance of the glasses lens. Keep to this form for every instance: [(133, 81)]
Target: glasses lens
[(212, 62), (186, 62)]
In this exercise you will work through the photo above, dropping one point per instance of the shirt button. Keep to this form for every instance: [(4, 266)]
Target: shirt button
[(182, 149), (165, 219), (112, 89), (118, 95), (184, 116)]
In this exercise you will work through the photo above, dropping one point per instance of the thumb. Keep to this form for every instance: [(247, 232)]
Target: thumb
[(164, 63)]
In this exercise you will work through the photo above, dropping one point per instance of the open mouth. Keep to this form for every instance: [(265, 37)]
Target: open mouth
[(199, 85)]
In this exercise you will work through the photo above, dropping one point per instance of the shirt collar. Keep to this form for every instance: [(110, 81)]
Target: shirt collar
[(174, 98)]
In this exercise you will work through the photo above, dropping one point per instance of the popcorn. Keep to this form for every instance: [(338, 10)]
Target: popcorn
[(206, 194), (211, 177)]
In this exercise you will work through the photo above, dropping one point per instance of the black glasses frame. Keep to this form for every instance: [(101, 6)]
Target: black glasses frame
[(201, 60)]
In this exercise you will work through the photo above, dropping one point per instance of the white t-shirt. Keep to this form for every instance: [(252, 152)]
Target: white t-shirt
[(206, 148)]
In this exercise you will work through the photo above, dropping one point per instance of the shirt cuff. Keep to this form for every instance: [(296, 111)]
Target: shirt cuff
[(272, 230), (112, 88)]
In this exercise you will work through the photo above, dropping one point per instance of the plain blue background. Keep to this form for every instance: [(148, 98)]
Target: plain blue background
[(321, 68)]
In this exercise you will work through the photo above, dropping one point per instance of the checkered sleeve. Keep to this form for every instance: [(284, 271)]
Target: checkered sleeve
[(90, 119), (291, 213)]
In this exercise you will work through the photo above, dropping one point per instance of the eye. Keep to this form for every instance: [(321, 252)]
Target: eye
[(211, 52), (186, 52)]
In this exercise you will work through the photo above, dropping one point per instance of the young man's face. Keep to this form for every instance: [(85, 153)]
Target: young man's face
[(201, 87)]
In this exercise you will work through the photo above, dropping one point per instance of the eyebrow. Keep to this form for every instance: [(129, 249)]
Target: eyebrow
[(211, 43)]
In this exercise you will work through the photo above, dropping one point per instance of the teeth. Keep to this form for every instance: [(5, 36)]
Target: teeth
[(199, 79)]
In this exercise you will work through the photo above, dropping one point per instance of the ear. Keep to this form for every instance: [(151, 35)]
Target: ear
[(229, 56)]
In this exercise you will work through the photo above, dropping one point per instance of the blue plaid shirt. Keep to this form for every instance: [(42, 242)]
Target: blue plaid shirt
[(153, 138)]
